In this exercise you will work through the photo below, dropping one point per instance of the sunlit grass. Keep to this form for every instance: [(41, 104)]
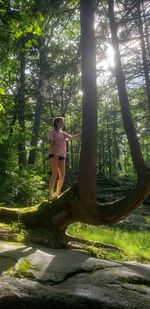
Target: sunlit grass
[(133, 245)]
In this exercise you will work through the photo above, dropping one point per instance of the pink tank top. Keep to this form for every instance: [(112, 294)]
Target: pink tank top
[(59, 143)]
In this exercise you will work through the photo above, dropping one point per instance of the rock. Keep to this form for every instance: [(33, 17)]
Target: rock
[(56, 278)]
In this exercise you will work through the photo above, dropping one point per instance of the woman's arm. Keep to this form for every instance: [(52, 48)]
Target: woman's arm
[(75, 136)]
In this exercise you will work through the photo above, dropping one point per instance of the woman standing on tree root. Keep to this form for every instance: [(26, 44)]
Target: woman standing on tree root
[(57, 139)]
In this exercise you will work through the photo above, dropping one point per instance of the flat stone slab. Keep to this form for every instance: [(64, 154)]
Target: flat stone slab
[(56, 278)]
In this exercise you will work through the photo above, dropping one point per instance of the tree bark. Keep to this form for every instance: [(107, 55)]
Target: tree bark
[(117, 164), (108, 140), (39, 107), (87, 165), (21, 110)]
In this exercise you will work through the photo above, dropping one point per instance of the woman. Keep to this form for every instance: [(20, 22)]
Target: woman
[(57, 139)]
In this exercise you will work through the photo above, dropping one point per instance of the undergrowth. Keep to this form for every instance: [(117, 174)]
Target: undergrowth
[(133, 245)]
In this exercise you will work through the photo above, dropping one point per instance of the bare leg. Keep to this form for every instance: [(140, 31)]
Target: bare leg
[(61, 172), (54, 168)]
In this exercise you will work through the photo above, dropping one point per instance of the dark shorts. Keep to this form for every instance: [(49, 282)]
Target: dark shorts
[(52, 155)]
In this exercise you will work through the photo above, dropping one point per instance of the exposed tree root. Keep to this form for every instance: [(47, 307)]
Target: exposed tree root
[(55, 216), (74, 241)]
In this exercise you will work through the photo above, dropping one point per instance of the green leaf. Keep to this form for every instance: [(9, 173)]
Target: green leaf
[(1, 108), (2, 91)]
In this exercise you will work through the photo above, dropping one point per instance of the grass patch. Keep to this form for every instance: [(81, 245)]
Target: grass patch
[(134, 245), (13, 232), (24, 269)]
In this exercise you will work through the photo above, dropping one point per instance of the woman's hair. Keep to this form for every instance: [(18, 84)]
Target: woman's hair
[(56, 121)]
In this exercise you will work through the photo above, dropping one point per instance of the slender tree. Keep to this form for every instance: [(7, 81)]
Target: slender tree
[(39, 104), (123, 98), (21, 108), (144, 55)]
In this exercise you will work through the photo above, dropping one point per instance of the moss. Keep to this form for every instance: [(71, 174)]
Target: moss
[(102, 253), (4, 226), (9, 271), (25, 268), (14, 231)]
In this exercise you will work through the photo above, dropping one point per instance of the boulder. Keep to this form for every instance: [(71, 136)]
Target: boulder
[(40, 277)]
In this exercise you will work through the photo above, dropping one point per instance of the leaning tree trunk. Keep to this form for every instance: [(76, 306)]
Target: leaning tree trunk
[(73, 205), (39, 107), (123, 98)]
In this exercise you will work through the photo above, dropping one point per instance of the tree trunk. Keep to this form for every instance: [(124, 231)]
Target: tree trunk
[(117, 164), (108, 140), (144, 57), (39, 107), (21, 116), (146, 24), (87, 165), (123, 98)]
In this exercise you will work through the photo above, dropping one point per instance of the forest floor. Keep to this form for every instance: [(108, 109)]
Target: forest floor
[(138, 221), (128, 240)]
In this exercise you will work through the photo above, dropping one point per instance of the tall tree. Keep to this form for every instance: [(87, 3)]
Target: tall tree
[(144, 55), (39, 103), (21, 107), (123, 97), (87, 166)]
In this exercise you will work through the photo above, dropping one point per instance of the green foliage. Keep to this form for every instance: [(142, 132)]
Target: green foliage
[(24, 188)]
